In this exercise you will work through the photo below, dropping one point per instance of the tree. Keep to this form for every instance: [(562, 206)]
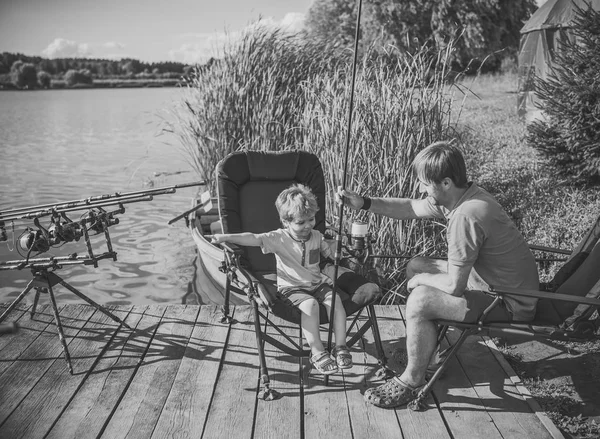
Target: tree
[(74, 77), (43, 79), (569, 136), (483, 28), (23, 75)]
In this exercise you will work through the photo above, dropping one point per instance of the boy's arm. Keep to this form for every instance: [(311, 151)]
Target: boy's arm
[(246, 239)]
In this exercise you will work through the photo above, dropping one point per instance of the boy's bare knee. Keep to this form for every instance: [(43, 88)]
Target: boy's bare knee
[(415, 266)]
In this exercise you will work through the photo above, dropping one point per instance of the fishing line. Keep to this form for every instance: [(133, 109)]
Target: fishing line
[(341, 206)]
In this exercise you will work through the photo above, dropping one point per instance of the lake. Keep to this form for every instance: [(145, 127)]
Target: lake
[(63, 145)]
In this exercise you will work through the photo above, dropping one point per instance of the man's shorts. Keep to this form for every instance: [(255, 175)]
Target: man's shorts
[(298, 295), (478, 301)]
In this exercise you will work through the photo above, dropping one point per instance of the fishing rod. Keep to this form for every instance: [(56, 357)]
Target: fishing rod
[(338, 250), (37, 238), (83, 204)]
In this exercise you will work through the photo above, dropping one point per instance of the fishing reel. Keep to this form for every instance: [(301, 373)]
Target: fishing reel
[(100, 220), (360, 240)]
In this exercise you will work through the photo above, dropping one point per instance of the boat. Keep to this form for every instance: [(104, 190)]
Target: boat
[(209, 278)]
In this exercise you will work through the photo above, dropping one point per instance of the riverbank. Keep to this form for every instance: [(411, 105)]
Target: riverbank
[(105, 83)]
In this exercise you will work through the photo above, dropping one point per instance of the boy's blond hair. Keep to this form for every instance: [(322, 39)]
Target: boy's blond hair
[(297, 201), (441, 160)]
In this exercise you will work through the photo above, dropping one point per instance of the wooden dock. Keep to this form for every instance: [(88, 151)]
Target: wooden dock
[(181, 373)]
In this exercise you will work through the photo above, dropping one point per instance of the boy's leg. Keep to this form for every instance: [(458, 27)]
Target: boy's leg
[(339, 319), (309, 321)]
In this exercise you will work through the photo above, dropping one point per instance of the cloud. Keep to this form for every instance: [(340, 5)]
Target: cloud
[(62, 48), (197, 48), (113, 45)]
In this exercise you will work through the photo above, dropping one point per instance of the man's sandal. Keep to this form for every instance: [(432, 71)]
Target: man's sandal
[(324, 363), (391, 394), (342, 357)]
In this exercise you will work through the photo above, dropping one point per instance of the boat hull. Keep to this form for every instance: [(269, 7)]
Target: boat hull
[(209, 280)]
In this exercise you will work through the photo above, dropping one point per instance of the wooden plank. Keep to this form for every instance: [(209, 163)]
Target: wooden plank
[(464, 411), (140, 408), (325, 407), (408, 423), (284, 375), (12, 346), (508, 409), (92, 405), (22, 374), (535, 406), (14, 316), (232, 410), (51, 394), (187, 405)]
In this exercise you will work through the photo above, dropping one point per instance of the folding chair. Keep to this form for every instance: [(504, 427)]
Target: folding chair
[(248, 184), (567, 308)]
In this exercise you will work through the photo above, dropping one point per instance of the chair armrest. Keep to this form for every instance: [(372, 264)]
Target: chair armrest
[(543, 295), (550, 249), (232, 248)]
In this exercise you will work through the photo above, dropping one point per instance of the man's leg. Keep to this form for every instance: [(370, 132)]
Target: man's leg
[(424, 306)]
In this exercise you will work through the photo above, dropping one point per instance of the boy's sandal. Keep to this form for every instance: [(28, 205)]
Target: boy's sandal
[(391, 394), (342, 357), (323, 363)]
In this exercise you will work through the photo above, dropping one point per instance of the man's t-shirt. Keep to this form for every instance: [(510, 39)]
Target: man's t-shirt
[(480, 234), (297, 261)]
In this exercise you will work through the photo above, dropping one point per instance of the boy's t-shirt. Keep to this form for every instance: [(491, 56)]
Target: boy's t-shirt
[(481, 234), (297, 261)]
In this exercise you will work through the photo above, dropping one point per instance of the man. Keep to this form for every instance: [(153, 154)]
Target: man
[(484, 248)]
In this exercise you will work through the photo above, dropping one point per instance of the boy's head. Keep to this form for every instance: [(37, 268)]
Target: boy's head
[(441, 160), (296, 202)]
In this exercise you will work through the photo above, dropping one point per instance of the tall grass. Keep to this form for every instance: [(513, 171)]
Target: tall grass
[(273, 91)]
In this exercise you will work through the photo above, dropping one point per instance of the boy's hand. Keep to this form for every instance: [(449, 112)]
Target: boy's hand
[(350, 198), (217, 238)]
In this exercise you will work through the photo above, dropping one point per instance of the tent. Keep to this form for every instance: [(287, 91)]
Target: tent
[(540, 39)]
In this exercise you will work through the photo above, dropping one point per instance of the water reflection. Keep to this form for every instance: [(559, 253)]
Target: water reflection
[(62, 145)]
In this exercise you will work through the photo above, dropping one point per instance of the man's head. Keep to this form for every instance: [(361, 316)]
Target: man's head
[(297, 206), (439, 161)]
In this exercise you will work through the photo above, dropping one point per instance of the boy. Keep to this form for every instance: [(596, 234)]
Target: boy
[(297, 248)]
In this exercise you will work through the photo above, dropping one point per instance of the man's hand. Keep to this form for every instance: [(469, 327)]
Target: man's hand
[(413, 283), (350, 198)]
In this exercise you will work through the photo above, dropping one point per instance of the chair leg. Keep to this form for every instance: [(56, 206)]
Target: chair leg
[(265, 393), (383, 372), (418, 404)]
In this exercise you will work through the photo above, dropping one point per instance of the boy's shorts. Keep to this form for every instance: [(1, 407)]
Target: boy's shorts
[(299, 295), (478, 301)]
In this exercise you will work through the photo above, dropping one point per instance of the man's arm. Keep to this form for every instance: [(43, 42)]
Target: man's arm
[(454, 282), (397, 208), (246, 239)]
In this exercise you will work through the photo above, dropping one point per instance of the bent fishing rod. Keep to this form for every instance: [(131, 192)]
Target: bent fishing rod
[(338, 250)]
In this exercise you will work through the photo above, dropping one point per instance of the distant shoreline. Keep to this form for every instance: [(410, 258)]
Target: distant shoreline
[(103, 83)]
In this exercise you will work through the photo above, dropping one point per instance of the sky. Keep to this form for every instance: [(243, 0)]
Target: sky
[(186, 31)]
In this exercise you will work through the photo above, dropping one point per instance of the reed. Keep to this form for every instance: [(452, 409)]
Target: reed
[(273, 91)]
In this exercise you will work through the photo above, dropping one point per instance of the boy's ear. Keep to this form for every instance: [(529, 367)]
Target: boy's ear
[(446, 182)]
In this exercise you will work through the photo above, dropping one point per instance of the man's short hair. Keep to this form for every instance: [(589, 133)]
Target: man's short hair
[(297, 201), (441, 160)]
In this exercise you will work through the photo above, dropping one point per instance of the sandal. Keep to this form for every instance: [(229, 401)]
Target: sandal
[(323, 363), (391, 394), (342, 357)]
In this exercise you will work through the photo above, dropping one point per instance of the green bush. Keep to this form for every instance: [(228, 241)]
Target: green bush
[(569, 136), (44, 80), (23, 75), (74, 77)]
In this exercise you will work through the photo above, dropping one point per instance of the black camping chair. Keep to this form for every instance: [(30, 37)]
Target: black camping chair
[(248, 184), (567, 308)]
